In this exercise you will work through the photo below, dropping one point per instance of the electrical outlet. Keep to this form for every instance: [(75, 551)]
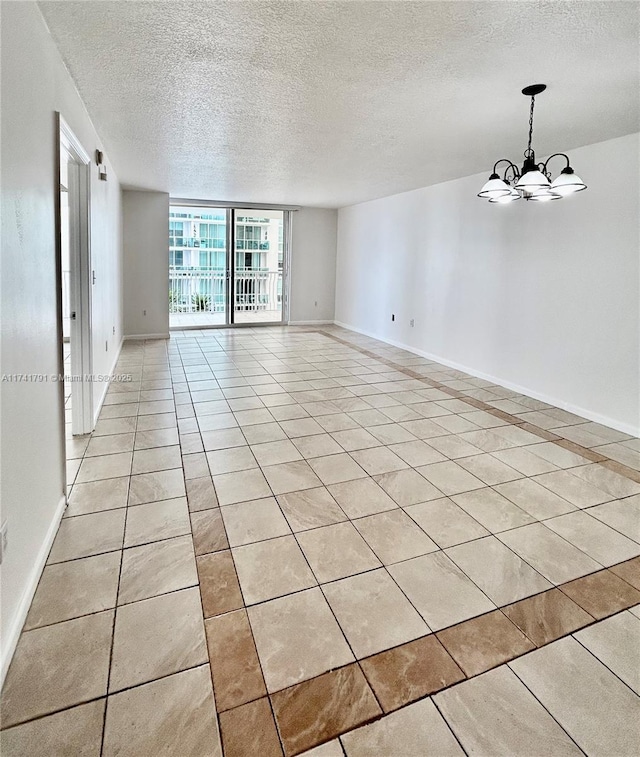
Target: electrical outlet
[(144, 312), (114, 330), (393, 317), (4, 539), (412, 322), (106, 345), (316, 303)]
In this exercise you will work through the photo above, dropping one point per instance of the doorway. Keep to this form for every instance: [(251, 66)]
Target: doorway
[(227, 266), (74, 282)]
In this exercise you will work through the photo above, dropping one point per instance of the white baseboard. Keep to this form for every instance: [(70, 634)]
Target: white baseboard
[(625, 428), (146, 336), (310, 323), (10, 640), (96, 412)]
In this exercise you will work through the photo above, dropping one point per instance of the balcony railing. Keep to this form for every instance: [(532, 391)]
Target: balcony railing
[(203, 290)]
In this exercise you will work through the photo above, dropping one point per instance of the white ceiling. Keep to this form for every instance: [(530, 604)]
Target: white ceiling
[(332, 103)]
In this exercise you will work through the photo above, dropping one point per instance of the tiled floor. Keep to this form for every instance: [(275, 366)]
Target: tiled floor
[(281, 540)]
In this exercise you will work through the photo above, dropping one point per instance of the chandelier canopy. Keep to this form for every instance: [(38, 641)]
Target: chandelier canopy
[(533, 180)]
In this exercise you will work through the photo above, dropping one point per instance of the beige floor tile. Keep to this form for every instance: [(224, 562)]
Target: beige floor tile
[(373, 613), (109, 426), (445, 522), (334, 469), (156, 459), (272, 568), (297, 638), (369, 417), (439, 590), (594, 538), (453, 447), (273, 453), (105, 466), (580, 493), (109, 445), (391, 433), (157, 520), (417, 453), (502, 575), (450, 478), (200, 494), (607, 480), (407, 487), (310, 508), (291, 477), (534, 499), (623, 515), (551, 555), (175, 715), (337, 422), (415, 731), (378, 460), (222, 438), (263, 432), (301, 427), (336, 551), (361, 497), (615, 642), (355, 439), (524, 461), (97, 496), (252, 521), (577, 689), (77, 732), (241, 486), (86, 535), (56, 667), (161, 437), (559, 456), (394, 536), (490, 470), (495, 714), (70, 589), (153, 422), (492, 510), (157, 637), (157, 568), (195, 466), (253, 417), (317, 446), (152, 487), (231, 460)]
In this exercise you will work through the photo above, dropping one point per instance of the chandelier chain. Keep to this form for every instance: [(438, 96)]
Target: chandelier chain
[(528, 152)]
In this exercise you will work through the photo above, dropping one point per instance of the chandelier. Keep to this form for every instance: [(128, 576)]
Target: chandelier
[(533, 181)]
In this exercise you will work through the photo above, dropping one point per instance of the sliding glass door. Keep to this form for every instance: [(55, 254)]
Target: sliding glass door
[(226, 266), (258, 264)]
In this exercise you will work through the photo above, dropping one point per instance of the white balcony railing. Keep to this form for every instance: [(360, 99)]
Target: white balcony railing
[(203, 290)]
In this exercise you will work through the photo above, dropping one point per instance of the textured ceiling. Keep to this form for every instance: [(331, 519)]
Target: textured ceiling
[(332, 103)]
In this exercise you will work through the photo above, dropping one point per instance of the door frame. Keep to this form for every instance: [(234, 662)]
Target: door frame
[(230, 209), (79, 188)]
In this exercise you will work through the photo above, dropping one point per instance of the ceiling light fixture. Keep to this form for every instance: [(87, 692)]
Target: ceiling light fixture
[(533, 181)]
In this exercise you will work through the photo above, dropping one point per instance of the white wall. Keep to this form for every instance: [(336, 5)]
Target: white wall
[(35, 84), (543, 297), (146, 264), (313, 265)]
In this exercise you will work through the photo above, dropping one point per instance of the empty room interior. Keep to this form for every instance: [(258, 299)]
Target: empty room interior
[(320, 398)]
